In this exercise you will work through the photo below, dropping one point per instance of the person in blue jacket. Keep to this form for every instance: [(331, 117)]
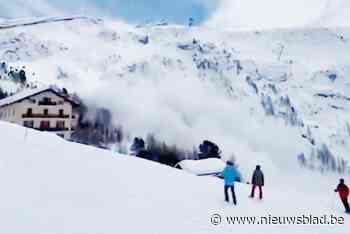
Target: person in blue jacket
[(230, 174)]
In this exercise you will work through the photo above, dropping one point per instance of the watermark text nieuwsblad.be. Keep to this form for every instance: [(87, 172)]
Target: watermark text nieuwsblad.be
[(305, 219)]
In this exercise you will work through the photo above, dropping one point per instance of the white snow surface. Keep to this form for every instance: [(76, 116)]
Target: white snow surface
[(203, 166), (49, 185)]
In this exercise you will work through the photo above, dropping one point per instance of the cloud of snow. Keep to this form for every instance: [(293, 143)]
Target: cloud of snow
[(257, 14), (185, 111), (336, 13), (169, 100)]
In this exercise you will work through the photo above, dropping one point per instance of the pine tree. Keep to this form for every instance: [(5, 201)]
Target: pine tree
[(348, 128), (267, 105), (22, 76), (3, 94), (190, 22)]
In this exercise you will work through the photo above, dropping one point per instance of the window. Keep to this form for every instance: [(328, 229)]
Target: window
[(61, 112), (46, 100), (45, 125), (28, 124), (29, 111), (46, 111), (60, 125)]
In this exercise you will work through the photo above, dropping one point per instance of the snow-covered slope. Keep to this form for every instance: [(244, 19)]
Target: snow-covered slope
[(266, 96), (49, 185), (14, 23)]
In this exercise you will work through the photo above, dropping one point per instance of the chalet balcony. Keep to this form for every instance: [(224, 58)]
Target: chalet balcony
[(51, 116), (47, 103), (52, 129)]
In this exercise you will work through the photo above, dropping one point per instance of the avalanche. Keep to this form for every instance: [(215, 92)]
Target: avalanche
[(265, 96), (243, 90)]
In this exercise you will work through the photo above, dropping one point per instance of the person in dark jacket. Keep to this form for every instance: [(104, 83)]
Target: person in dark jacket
[(343, 191), (230, 174), (257, 181)]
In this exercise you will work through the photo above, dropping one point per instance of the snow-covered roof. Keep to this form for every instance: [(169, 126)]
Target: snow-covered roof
[(31, 92), (203, 166)]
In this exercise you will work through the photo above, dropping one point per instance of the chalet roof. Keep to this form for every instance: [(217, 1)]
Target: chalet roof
[(32, 92)]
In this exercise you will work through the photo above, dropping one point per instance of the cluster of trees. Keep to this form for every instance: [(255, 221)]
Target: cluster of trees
[(309, 136), (160, 151), (98, 130), (3, 94), (267, 104), (209, 149), (14, 74), (324, 160), (95, 127), (18, 76), (157, 150), (283, 108)]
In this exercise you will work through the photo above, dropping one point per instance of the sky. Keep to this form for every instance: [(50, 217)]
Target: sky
[(134, 11), (272, 13), (232, 14)]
